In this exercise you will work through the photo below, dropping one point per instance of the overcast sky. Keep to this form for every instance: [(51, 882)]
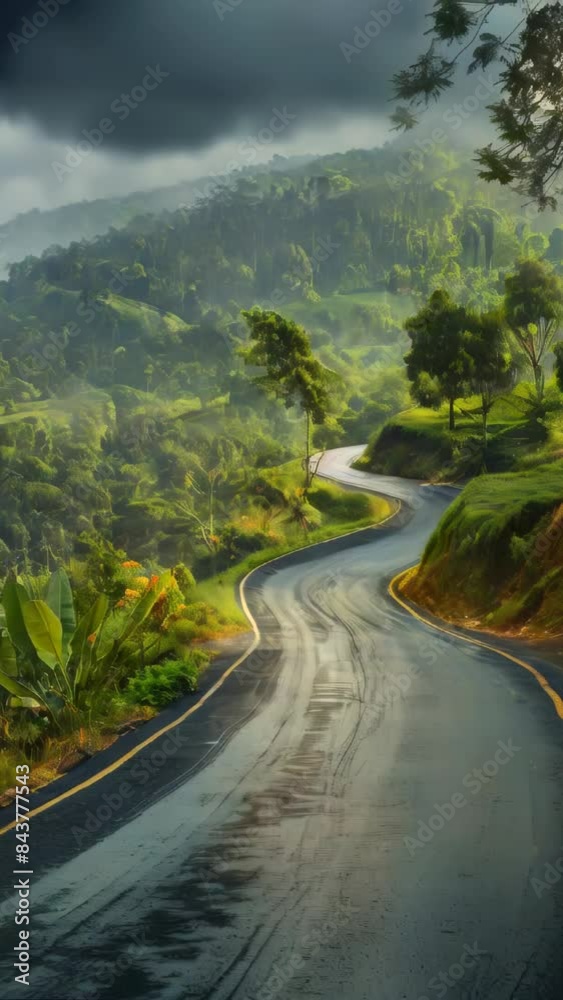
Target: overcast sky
[(188, 86)]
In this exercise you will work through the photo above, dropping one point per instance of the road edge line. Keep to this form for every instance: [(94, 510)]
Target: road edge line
[(393, 591)]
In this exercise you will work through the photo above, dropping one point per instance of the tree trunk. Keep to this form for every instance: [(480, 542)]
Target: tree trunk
[(211, 511), (307, 451), (452, 415), (539, 381)]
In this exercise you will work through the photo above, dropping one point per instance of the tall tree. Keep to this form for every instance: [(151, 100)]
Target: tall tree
[(492, 369), (534, 313), (282, 349), (439, 359), (527, 117)]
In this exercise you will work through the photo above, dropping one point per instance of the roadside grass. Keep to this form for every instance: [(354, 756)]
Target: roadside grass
[(496, 558), (342, 512), (551, 449), (45, 760), (418, 444), (8, 764)]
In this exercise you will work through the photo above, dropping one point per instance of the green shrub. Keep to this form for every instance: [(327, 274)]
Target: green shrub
[(184, 631), (8, 764), (162, 683), (27, 731), (339, 505), (234, 546), (184, 578), (200, 613)]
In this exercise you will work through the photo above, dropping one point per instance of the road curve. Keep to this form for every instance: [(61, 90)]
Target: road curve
[(365, 809)]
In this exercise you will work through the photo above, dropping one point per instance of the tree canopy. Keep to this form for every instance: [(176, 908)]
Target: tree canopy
[(528, 115), (534, 313), (291, 372), (492, 369), (439, 355)]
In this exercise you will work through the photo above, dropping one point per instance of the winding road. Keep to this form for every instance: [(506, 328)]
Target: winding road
[(365, 809)]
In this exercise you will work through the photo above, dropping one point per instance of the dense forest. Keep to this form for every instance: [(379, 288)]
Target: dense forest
[(121, 357), (37, 231)]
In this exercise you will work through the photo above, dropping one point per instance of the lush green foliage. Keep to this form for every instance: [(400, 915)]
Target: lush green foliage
[(417, 443), (497, 554), (291, 372), (134, 435), (534, 313), (52, 663), (162, 683), (528, 114), (439, 362), (455, 349), (128, 412)]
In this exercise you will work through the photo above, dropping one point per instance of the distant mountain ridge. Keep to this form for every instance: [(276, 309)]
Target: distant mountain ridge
[(31, 233)]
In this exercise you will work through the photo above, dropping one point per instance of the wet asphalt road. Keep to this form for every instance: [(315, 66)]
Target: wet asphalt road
[(365, 809)]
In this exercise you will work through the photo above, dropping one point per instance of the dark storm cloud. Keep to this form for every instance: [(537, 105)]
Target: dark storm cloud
[(230, 62)]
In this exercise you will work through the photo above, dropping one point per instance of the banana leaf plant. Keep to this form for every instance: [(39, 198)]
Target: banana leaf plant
[(51, 662)]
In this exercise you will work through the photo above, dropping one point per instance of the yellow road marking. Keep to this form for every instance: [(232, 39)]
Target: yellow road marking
[(141, 746), (194, 708), (542, 681)]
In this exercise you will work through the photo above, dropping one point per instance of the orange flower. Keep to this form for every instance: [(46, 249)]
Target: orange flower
[(120, 604), (153, 580), (92, 638), (131, 564), (141, 582), (131, 595)]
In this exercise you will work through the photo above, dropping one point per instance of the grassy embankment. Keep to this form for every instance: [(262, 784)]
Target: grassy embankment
[(418, 444), (496, 558)]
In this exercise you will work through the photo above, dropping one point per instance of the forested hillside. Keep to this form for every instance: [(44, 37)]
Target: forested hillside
[(37, 231), (344, 223), (150, 317)]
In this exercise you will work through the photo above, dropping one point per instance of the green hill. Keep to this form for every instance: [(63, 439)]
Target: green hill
[(496, 558), (417, 443)]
